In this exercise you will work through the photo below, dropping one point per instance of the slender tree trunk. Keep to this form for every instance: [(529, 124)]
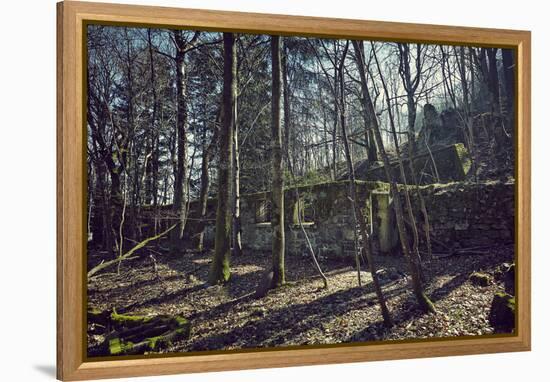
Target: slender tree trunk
[(286, 99), (494, 88), (372, 155), (237, 241), (509, 86), (493, 78), (152, 143), (203, 194), (180, 189), (412, 260), (415, 249), (467, 109), (335, 132), (277, 192), (219, 271)]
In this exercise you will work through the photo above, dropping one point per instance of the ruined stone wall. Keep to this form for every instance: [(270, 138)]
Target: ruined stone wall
[(468, 215), (461, 215), (326, 215)]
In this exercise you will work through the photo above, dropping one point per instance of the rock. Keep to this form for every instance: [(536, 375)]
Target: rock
[(480, 279), (503, 312), (265, 285), (506, 273)]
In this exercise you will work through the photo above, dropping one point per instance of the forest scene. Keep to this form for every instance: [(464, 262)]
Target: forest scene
[(257, 191)]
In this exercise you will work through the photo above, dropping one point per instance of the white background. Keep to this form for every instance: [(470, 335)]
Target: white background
[(27, 188)]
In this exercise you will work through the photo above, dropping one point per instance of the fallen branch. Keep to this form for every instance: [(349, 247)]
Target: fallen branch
[(128, 254)]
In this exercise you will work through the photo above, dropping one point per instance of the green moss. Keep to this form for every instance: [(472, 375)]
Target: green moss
[(510, 300), (463, 156), (154, 343), (180, 321), (128, 320), (117, 346)]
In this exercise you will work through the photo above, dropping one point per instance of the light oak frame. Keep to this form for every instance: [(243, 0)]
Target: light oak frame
[(72, 363)]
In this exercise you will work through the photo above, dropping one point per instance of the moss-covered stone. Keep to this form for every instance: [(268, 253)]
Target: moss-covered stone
[(506, 273), (480, 279), (503, 312)]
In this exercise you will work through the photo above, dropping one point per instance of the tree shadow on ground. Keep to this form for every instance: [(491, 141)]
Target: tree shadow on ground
[(286, 324), (243, 283), (128, 289), (163, 298), (408, 310), (446, 289)]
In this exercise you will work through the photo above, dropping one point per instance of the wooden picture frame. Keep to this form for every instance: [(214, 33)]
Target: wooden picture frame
[(72, 363)]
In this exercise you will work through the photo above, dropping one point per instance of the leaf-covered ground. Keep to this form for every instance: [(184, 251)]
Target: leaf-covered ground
[(302, 312)]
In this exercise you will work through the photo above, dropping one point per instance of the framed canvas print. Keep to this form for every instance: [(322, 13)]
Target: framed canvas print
[(250, 190)]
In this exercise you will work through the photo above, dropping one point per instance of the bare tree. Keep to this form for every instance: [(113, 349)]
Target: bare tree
[(182, 44), (219, 271), (277, 191)]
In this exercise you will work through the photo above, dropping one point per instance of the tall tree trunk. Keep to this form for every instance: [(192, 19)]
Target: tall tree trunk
[(208, 154), (493, 78), (412, 260), (355, 206), (335, 132), (237, 241), (509, 85), (372, 155), (286, 98), (219, 271), (467, 107), (494, 87), (152, 143), (180, 189), (415, 249), (277, 192)]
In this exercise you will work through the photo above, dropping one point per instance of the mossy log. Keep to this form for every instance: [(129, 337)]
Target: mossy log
[(134, 334)]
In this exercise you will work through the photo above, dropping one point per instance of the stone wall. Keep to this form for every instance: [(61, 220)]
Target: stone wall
[(461, 215), (468, 215), (326, 216)]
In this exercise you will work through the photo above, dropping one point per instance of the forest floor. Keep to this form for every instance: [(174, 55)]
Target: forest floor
[(302, 312)]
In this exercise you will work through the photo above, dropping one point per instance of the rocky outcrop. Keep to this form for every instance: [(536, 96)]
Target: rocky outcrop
[(502, 315)]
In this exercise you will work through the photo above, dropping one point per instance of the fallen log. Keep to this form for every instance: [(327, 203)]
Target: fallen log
[(127, 255), (135, 334)]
